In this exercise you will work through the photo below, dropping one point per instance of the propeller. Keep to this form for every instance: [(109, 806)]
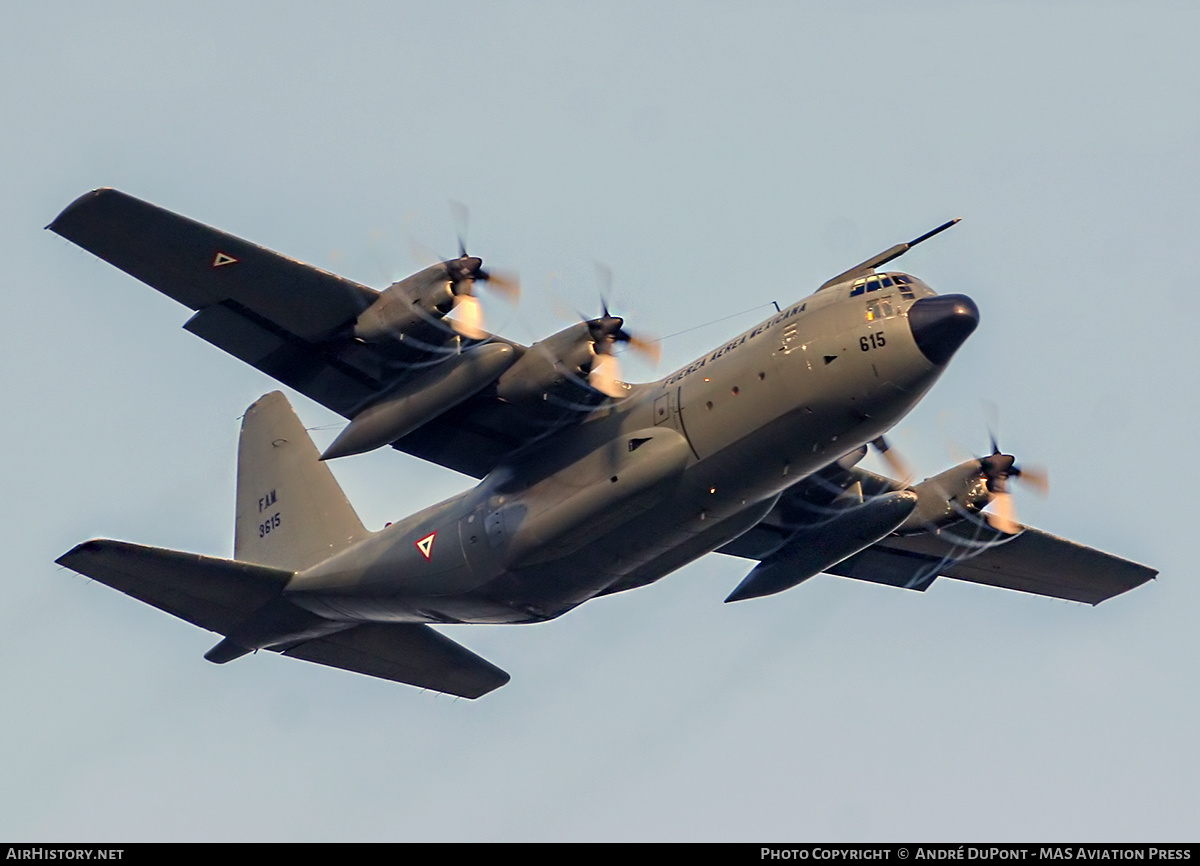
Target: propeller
[(605, 332), (894, 461), (998, 470), (464, 272)]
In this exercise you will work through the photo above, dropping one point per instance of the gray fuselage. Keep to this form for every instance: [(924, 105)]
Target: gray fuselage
[(653, 481)]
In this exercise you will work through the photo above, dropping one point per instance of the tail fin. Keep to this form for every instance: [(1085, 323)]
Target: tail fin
[(291, 512)]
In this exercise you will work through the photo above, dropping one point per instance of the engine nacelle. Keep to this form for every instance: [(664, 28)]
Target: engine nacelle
[(557, 366), (947, 498), (413, 307)]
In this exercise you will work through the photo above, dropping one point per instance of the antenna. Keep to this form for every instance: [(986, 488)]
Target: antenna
[(886, 256)]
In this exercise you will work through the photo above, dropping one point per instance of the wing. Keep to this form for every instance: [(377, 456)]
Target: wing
[(220, 594), (1032, 561), (295, 322), (968, 549), (271, 311)]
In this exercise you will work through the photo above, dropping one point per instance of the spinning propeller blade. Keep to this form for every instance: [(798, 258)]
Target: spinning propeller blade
[(998, 469), (894, 461), (605, 332), (468, 317), (464, 272)]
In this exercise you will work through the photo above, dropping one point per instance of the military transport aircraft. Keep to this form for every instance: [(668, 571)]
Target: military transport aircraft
[(588, 485)]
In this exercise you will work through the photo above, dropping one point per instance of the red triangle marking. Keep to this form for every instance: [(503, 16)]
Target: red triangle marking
[(223, 259), (425, 545)]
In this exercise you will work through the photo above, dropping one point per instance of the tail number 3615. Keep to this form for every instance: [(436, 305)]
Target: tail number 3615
[(267, 525)]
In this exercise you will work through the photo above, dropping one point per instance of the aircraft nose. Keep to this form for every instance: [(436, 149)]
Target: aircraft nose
[(941, 324)]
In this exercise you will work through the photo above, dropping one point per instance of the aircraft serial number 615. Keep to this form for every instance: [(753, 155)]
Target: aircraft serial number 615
[(588, 485)]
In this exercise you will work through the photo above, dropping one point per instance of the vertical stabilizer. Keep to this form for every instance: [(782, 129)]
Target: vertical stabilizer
[(291, 512)]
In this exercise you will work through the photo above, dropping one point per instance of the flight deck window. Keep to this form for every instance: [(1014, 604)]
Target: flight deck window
[(858, 288), (904, 283), (880, 308)]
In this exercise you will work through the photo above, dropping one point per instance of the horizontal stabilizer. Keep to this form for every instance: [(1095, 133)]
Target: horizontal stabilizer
[(405, 653), (221, 595), (216, 594)]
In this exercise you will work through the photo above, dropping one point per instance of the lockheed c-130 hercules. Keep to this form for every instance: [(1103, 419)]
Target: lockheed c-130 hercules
[(587, 485)]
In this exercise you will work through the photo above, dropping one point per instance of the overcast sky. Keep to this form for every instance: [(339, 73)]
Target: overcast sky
[(716, 157)]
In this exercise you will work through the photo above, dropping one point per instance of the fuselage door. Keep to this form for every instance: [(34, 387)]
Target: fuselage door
[(662, 407), (666, 409)]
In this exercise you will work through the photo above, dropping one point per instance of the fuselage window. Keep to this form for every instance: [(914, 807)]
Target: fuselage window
[(880, 308)]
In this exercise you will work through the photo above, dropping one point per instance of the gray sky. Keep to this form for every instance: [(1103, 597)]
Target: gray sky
[(716, 158)]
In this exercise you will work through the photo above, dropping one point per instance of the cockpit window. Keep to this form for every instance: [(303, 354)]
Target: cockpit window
[(910, 287), (907, 285)]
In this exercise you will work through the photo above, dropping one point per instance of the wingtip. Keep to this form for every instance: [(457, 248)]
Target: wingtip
[(60, 224), (89, 546)]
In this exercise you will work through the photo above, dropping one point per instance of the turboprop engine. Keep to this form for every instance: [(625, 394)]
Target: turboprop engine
[(555, 367), (414, 307), (410, 308), (574, 363), (966, 489), (947, 497)]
